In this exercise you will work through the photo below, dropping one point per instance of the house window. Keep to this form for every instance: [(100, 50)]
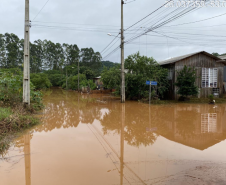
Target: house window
[(209, 123), (170, 74), (209, 77)]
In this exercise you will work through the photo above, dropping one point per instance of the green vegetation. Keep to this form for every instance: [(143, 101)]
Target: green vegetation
[(140, 69), (14, 117), (12, 121), (40, 81), (186, 82), (218, 55), (73, 82)]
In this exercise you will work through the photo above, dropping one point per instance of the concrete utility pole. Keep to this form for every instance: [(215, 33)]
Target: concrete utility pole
[(66, 79), (78, 74), (122, 57), (26, 77)]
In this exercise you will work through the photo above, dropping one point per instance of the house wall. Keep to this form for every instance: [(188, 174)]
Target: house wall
[(170, 93), (200, 61), (224, 73)]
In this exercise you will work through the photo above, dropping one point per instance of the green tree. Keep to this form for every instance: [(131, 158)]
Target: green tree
[(111, 78), (186, 82), (40, 81), (140, 69), (91, 59), (14, 50)]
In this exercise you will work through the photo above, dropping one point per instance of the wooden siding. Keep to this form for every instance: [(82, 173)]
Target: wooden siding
[(224, 73), (199, 61), (170, 93)]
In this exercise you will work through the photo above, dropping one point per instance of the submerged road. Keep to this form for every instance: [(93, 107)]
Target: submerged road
[(96, 140)]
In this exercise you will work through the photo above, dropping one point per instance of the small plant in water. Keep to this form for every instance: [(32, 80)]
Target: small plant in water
[(211, 99)]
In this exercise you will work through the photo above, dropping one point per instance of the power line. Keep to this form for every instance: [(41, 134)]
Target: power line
[(197, 21), (110, 47), (109, 44), (148, 15), (75, 23), (41, 9)]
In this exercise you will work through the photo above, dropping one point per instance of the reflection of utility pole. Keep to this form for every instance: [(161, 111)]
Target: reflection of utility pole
[(122, 146), (27, 159)]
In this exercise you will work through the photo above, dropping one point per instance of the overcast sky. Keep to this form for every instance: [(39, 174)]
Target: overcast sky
[(104, 17)]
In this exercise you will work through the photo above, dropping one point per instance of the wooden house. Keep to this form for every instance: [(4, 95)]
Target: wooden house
[(98, 82), (224, 58), (209, 72)]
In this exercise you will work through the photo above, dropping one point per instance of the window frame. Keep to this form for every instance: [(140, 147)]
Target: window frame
[(209, 78)]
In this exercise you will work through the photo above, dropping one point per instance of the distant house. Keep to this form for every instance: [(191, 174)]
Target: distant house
[(209, 70), (223, 57), (98, 82)]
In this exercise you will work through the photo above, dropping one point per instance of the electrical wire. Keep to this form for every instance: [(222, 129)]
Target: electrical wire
[(41, 10)]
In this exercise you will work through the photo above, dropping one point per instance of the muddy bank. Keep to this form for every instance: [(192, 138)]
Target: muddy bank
[(12, 121)]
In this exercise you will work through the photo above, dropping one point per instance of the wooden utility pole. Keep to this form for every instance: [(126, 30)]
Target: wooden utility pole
[(122, 57), (26, 77)]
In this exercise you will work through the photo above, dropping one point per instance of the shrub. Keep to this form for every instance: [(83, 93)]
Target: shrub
[(11, 89), (56, 79), (40, 81), (73, 82), (186, 82), (11, 86)]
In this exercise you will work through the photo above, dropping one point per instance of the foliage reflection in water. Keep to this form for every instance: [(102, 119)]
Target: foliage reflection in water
[(97, 136)]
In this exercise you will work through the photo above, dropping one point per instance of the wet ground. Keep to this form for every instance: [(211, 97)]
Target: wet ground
[(96, 140)]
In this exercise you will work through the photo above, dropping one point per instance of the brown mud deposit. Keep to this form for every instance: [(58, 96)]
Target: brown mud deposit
[(96, 140)]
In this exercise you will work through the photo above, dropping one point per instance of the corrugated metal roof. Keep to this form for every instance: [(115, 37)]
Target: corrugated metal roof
[(176, 59), (223, 57)]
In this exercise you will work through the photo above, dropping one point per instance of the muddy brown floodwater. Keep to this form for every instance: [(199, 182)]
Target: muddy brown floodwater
[(96, 140)]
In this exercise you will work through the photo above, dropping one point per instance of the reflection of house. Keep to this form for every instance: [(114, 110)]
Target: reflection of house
[(201, 132), (209, 70), (209, 123), (98, 82)]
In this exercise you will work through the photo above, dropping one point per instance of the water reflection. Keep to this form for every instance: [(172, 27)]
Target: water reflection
[(128, 140), (27, 159), (197, 126)]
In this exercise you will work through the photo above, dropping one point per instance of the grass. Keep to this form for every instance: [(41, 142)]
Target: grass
[(13, 121), (5, 113)]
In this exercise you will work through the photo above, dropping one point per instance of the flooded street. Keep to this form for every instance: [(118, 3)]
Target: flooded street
[(96, 140)]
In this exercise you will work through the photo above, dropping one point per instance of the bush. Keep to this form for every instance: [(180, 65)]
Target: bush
[(40, 81), (11, 86), (73, 82), (186, 82), (56, 79), (11, 89)]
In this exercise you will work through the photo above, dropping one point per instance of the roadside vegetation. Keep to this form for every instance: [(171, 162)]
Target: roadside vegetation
[(14, 117), (140, 69)]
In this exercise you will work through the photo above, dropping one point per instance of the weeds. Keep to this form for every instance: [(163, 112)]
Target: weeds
[(13, 120)]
